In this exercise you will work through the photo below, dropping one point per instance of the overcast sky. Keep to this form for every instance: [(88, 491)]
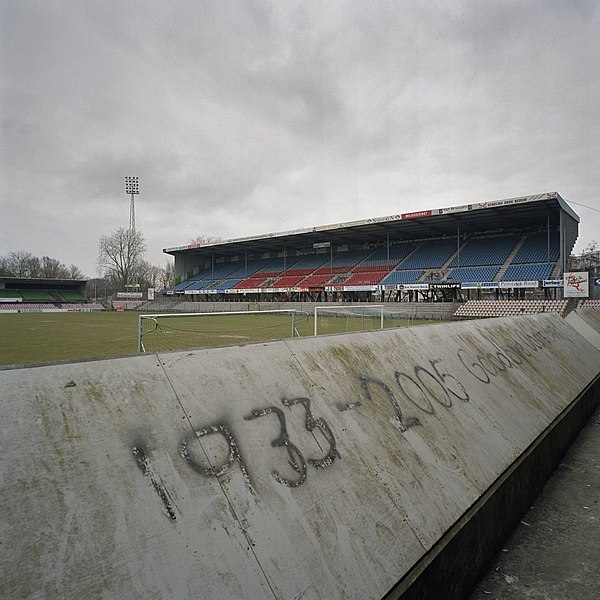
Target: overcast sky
[(249, 117)]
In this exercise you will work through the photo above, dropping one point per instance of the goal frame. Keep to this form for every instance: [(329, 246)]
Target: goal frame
[(333, 307), (140, 342)]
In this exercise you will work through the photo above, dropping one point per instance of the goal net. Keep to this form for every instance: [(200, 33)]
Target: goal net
[(344, 319), (183, 331)]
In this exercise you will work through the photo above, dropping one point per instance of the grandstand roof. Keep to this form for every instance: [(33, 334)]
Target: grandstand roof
[(513, 213), (37, 282)]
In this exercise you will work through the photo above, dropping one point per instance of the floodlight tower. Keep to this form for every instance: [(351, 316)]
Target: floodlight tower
[(132, 186)]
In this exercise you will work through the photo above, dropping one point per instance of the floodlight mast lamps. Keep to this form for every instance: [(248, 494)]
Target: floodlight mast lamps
[(132, 187)]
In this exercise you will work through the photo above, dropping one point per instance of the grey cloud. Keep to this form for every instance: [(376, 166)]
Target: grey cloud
[(248, 117)]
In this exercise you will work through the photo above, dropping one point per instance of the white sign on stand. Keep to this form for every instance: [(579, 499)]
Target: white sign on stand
[(577, 284)]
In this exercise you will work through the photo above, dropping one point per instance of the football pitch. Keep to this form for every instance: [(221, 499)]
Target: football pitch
[(38, 338), (35, 338)]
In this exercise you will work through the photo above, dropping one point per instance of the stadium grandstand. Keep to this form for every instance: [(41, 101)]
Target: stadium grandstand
[(18, 294), (513, 249)]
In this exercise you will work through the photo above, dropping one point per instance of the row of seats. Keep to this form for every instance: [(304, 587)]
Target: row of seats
[(127, 304), (528, 272), (482, 252), (82, 306), (588, 304), (464, 274), (538, 248), (362, 276), (478, 260), (25, 306), (44, 295), (503, 308), (48, 306)]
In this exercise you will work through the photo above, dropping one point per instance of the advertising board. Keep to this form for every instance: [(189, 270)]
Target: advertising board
[(576, 284)]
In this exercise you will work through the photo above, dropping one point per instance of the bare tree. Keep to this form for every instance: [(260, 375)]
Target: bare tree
[(204, 239), (147, 274), (588, 259), (24, 264), (155, 276), (167, 275), (20, 264), (75, 273), (99, 288), (120, 255), (51, 268)]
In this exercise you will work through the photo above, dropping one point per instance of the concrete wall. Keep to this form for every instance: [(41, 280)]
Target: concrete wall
[(330, 467), (587, 322)]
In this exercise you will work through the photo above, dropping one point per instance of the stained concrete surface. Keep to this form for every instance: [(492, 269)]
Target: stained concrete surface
[(554, 554), (586, 321), (310, 468)]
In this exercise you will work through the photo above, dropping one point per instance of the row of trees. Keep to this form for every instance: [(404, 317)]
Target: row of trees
[(589, 259), (25, 264), (121, 262)]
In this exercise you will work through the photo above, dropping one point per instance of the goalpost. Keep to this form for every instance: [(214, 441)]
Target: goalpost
[(164, 332), (182, 331), (354, 317)]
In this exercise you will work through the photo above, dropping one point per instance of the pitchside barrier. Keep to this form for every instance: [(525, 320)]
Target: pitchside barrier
[(390, 463)]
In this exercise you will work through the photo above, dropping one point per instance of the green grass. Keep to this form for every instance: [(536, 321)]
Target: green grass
[(36, 338)]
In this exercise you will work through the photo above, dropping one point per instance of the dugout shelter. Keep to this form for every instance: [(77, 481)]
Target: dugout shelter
[(498, 248)]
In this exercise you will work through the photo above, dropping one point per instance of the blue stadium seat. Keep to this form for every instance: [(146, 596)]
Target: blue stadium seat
[(527, 272), (399, 277), (535, 249), (381, 256), (485, 251), (473, 274), (430, 255)]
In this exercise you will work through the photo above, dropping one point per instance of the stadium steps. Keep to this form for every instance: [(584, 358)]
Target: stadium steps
[(447, 264), (515, 251), (428, 275), (444, 269), (509, 259), (269, 281), (408, 256), (501, 271), (340, 278), (556, 271)]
